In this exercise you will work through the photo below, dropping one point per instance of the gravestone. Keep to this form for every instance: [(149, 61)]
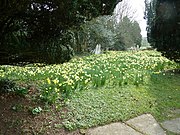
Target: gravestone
[(97, 49)]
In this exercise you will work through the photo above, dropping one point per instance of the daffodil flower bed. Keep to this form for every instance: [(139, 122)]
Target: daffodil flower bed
[(109, 69)]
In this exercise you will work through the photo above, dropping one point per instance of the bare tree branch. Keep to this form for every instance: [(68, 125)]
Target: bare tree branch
[(125, 9)]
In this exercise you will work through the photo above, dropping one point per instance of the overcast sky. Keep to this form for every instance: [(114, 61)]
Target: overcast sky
[(139, 6)]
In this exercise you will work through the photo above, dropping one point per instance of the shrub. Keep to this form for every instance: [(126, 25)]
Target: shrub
[(6, 85)]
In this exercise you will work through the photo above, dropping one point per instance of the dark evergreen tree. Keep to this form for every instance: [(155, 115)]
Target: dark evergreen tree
[(129, 33), (163, 27), (32, 29)]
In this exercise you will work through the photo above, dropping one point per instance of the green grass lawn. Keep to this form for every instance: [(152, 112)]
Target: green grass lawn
[(100, 89), (100, 106)]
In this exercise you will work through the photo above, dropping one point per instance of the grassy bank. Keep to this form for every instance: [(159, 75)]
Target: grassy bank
[(100, 89)]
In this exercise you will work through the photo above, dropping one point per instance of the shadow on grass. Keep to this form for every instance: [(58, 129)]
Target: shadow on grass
[(105, 105), (165, 89)]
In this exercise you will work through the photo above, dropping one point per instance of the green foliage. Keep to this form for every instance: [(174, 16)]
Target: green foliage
[(50, 92), (129, 33), (112, 69), (100, 89), (27, 26), (95, 32), (21, 91), (119, 44), (6, 85), (56, 51), (36, 110), (109, 34), (163, 28), (101, 106)]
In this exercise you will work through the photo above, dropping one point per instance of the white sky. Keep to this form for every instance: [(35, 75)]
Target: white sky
[(139, 6)]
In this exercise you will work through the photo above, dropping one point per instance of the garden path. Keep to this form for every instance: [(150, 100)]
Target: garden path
[(141, 125)]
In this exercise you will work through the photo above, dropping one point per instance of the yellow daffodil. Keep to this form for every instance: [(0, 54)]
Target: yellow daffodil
[(48, 81), (55, 81)]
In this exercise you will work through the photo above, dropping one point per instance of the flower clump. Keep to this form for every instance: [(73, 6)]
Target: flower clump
[(109, 69)]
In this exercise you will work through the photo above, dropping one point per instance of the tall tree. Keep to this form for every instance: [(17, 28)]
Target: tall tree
[(163, 27), (109, 33), (129, 32), (44, 21), (125, 9)]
